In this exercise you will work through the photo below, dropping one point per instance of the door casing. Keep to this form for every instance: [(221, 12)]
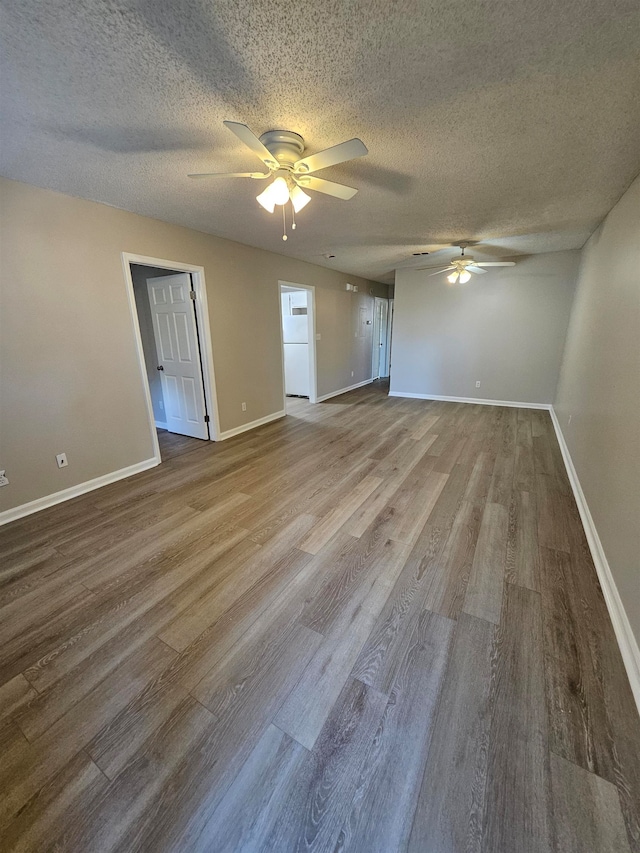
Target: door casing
[(311, 319), (381, 338), (204, 333)]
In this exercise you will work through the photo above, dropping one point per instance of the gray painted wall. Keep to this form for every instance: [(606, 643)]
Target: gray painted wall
[(506, 328), (70, 376), (599, 389)]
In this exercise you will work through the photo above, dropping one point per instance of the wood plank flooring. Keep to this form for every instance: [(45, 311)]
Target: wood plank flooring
[(373, 625)]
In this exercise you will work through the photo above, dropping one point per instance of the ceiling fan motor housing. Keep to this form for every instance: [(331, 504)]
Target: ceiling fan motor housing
[(285, 146)]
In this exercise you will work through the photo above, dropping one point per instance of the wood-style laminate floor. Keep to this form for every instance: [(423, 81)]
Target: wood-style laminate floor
[(373, 625)]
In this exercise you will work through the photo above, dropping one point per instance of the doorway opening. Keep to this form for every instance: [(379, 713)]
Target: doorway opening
[(298, 334), (171, 326), (382, 324)]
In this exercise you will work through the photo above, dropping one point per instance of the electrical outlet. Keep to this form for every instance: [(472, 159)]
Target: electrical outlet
[(478, 383), (4, 480), (61, 459), (244, 407), (161, 405)]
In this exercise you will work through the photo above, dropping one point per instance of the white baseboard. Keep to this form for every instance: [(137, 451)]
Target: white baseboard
[(510, 403), (229, 433), (621, 625), (343, 390), (160, 425), (74, 491)]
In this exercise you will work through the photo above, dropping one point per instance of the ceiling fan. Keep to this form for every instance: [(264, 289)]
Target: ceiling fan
[(463, 267), (280, 151)]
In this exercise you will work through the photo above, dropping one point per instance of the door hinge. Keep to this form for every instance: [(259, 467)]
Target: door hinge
[(192, 294), (206, 419)]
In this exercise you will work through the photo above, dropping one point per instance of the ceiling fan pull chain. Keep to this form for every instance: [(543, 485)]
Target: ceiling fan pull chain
[(293, 217), (284, 225)]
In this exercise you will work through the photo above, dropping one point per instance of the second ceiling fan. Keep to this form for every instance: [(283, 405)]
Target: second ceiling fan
[(461, 268), (280, 151)]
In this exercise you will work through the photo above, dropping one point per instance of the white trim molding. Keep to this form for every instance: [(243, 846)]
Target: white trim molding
[(621, 625), (510, 403), (344, 390), (74, 491), (160, 425), (229, 433)]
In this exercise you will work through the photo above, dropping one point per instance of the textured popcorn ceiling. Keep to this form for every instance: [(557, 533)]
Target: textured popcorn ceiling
[(512, 122)]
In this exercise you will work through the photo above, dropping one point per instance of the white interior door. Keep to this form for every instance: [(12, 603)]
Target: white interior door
[(384, 339), (375, 342), (389, 335), (174, 328)]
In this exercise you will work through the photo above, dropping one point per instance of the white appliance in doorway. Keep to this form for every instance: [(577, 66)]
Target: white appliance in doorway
[(295, 340), (178, 352)]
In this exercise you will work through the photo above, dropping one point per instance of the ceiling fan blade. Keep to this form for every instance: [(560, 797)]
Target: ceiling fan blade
[(246, 135), (476, 269), (437, 272), (328, 187), (255, 175), (348, 150), (495, 263)]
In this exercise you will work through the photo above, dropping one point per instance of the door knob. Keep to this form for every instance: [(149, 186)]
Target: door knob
[(159, 367)]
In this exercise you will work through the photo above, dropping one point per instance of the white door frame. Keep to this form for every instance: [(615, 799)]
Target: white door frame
[(375, 342), (204, 335), (384, 332), (390, 335), (311, 324)]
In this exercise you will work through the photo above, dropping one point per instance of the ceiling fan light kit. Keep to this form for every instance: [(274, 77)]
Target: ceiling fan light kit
[(463, 277), (299, 198), (279, 151), (275, 193)]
